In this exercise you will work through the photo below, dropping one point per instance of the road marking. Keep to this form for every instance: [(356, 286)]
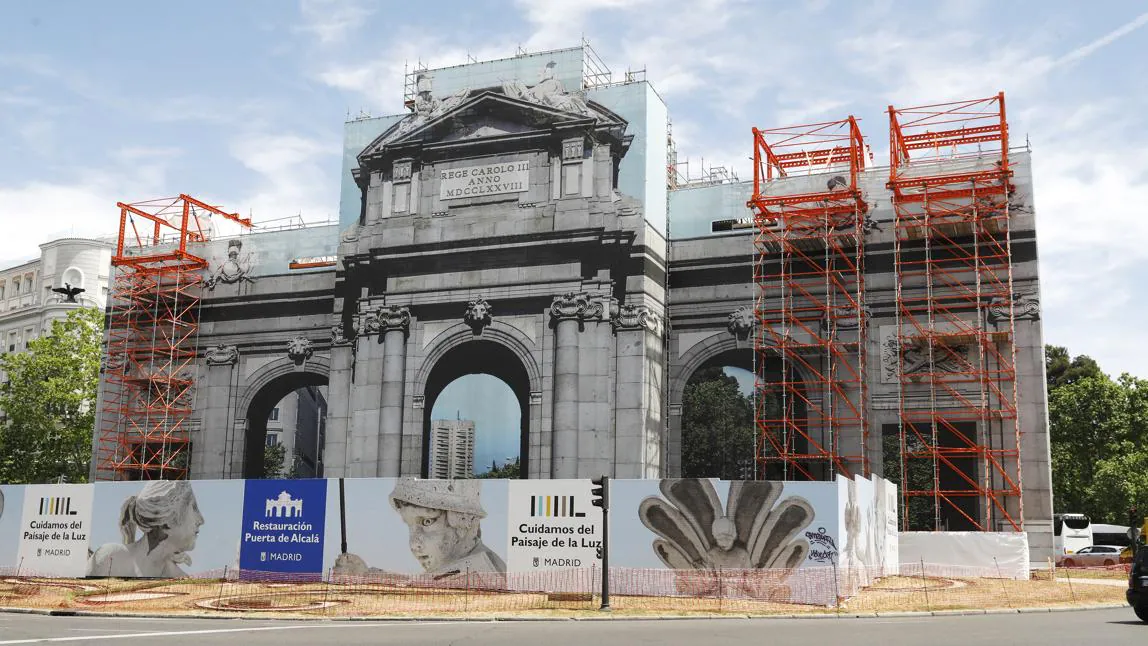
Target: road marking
[(101, 630), (43, 640)]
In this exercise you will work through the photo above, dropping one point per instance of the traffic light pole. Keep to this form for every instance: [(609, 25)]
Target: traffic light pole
[(605, 559), (601, 498)]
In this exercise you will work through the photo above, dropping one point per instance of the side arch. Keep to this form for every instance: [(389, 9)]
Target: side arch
[(264, 389), (721, 342), (317, 365)]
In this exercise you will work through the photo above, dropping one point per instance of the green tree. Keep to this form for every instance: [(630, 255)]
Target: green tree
[(274, 457), (506, 470), (49, 401), (1060, 369), (718, 438), (1088, 422)]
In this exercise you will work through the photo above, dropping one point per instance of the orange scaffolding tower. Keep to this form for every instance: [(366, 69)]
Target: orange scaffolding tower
[(153, 323), (959, 434), (810, 306)]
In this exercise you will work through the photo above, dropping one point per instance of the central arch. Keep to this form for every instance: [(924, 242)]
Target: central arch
[(479, 357)]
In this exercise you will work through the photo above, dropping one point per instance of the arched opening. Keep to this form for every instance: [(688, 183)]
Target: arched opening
[(476, 413), (720, 438), (287, 418)]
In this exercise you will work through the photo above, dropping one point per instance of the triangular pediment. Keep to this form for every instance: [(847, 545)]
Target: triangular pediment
[(489, 114)]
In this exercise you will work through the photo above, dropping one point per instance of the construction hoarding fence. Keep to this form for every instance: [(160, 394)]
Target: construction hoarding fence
[(754, 540)]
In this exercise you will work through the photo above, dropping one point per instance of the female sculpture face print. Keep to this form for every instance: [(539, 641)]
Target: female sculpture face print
[(159, 527)]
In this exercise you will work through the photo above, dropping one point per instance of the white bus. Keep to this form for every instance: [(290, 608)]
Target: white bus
[(1072, 531)]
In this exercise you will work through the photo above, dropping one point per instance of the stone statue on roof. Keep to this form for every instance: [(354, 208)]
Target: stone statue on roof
[(549, 91)]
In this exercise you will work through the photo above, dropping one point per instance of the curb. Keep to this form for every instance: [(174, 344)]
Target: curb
[(604, 617)]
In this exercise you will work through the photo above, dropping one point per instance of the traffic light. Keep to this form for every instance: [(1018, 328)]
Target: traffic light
[(601, 492), (598, 552)]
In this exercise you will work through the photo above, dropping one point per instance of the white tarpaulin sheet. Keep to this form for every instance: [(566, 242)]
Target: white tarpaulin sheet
[(988, 554)]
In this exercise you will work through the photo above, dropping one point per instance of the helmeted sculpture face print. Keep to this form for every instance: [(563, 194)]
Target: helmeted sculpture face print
[(443, 520)]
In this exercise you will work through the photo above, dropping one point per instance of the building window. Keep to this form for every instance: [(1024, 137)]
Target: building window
[(272, 439), (16, 287), (274, 416)]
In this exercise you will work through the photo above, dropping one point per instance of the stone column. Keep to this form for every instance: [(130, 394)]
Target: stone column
[(362, 459), (335, 442), (395, 323), (567, 312), (637, 445), (209, 453)]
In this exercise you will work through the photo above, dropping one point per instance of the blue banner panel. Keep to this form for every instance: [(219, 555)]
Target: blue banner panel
[(283, 526)]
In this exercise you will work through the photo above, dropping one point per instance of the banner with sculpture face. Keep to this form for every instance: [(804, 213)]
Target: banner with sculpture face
[(389, 526), (165, 528)]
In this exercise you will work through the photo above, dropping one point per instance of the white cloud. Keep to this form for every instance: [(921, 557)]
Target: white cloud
[(40, 211), (332, 21), (293, 178), (380, 79)]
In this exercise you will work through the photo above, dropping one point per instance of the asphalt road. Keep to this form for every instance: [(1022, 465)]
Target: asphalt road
[(1090, 627)]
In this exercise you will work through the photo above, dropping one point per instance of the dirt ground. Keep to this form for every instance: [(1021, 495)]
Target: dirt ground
[(216, 598)]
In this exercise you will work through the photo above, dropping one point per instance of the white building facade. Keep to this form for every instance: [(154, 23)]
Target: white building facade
[(27, 303)]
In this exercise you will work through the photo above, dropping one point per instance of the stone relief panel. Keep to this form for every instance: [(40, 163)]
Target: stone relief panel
[(235, 268), (916, 357), (222, 355)]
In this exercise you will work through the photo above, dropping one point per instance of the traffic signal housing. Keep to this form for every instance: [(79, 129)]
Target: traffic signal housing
[(601, 492)]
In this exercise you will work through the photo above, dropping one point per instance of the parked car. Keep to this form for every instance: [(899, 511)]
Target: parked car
[(1137, 593), (1093, 555)]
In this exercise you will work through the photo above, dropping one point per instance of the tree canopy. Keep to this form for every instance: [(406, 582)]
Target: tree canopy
[(717, 428), (49, 402), (1099, 435)]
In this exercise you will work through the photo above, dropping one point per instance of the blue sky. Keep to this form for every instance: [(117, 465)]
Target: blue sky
[(242, 104)]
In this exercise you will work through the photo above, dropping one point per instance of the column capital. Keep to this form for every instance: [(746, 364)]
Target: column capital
[(394, 317), (636, 317), (382, 319), (575, 306)]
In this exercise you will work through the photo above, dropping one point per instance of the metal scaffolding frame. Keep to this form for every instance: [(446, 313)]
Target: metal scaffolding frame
[(958, 426), (810, 304), (153, 323)]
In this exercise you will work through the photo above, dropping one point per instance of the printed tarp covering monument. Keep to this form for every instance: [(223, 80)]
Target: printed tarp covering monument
[(453, 529)]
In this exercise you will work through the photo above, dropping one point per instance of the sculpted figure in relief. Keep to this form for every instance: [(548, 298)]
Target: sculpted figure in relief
[(549, 91)]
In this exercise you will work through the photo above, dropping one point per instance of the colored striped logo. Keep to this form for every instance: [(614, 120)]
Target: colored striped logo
[(56, 506), (554, 507)]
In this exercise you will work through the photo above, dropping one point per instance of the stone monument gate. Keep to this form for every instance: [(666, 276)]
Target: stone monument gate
[(492, 239)]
